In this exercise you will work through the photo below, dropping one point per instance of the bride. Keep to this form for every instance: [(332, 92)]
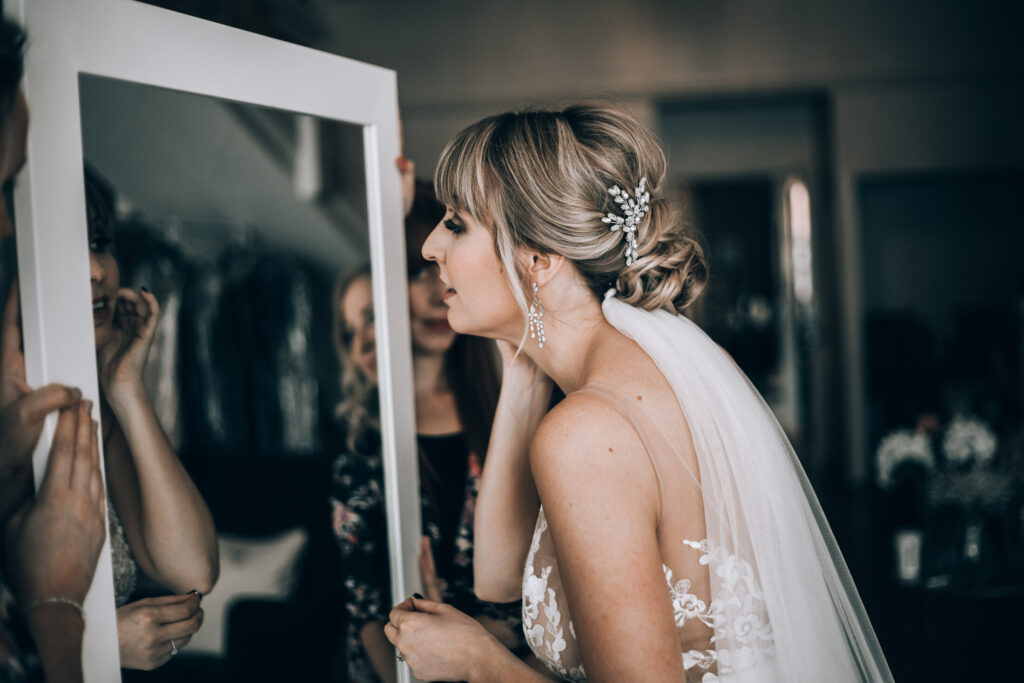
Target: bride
[(656, 523)]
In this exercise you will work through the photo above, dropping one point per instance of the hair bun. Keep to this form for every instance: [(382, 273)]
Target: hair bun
[(542, 180), (671, 271)]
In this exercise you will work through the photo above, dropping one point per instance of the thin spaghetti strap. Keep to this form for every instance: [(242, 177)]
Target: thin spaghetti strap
[(654, 439), (635, 413)]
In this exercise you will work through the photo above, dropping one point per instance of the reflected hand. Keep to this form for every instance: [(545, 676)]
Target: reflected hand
[(54, 541), (145, 629), (433, 585), (437, 641), (121, 361), (22, 411)]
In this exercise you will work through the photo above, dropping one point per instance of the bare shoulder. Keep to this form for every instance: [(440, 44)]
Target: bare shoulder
[(581, 423), (584, 446)]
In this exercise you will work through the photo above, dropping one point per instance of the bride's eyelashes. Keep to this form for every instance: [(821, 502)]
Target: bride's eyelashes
[(454, 227)]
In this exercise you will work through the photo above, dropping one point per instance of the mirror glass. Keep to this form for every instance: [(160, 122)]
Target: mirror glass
[(237, 222)]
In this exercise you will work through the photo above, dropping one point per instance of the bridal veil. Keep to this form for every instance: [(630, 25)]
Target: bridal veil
[(782, 599)]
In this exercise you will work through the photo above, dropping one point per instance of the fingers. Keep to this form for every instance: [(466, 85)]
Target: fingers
[(82, 464), (175, 609), (425, 605), (10, 337), (425, 552), (142, 307), (126, 313), (139, 302), (410, 606), (391, 633), (41, 402), (405, 165), (152, 316), (22, 386), (398, 611), (182, 642), (180, 630), (132, 301), (422, 557), (62, 452), (96, 476), (407, 172), (432, 585)]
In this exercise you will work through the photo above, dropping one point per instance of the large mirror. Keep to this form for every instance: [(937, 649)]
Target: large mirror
[(225, 187), (216, 231)]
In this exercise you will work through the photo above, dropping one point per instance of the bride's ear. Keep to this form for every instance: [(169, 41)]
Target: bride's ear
[(541, 267)]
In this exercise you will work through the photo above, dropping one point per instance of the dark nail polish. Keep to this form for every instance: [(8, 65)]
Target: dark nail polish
[(147, 292), (418, 596)]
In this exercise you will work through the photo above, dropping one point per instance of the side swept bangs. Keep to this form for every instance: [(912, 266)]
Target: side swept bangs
[(465, 178)]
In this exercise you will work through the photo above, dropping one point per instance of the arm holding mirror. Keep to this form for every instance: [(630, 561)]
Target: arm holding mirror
[(53, 539), (167, 523), (53, 543), (22, 411)]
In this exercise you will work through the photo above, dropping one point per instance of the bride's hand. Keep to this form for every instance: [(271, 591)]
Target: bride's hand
[(146, 629), (519, 368), (437, 641), (122, 359)]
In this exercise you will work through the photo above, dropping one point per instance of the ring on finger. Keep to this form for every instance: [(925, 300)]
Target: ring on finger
[(174, 648), (399, 657)]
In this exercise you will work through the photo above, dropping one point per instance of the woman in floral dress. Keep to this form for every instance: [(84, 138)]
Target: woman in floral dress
[(456, 393)]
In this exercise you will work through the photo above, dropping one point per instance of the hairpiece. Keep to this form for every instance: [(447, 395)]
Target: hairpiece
[(635, 209)]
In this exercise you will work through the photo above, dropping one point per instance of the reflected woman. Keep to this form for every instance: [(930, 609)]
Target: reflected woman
[(456, 392), (158, 520)]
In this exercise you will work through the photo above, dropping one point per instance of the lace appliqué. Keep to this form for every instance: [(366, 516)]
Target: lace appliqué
[(125, 569), (739, 615), (546, 642)]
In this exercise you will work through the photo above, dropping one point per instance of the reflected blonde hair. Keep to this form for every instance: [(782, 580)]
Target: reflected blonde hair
[(540, 179), (357, 409)]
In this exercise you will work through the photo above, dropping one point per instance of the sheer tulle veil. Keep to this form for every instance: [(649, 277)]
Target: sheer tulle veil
[(760, 510)]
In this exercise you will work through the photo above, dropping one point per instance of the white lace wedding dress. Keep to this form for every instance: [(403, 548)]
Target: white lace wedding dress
[(759, 590)]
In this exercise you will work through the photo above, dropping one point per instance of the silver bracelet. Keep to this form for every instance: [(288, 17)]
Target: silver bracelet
[(55, 601)]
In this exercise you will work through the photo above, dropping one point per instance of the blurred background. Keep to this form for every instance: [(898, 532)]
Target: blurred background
[(856, 171)]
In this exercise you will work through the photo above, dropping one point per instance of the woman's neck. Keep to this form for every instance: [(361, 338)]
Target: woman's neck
[(436, 412), (577, 337), (428, 374)]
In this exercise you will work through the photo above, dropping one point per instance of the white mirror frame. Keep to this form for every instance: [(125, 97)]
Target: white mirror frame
[(134, 42)]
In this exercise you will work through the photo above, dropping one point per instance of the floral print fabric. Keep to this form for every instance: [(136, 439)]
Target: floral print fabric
[(18, 660), (360, 528)]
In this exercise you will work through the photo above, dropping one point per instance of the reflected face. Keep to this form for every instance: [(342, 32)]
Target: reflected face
[(476, 291), (105, 278), (358, 334), (13, 139), (428, 314)]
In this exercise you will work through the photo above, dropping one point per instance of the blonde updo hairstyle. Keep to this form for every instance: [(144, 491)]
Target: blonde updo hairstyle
[(541, 179)]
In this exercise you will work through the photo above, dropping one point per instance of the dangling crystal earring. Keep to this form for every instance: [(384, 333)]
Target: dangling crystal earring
[(536, 318)]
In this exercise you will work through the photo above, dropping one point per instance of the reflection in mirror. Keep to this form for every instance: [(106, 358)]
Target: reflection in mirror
[(456, 390), (217, 231)]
